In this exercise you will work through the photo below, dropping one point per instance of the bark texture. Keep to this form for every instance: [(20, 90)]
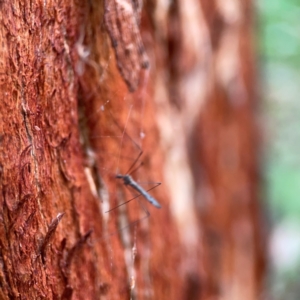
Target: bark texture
[(79, 104)]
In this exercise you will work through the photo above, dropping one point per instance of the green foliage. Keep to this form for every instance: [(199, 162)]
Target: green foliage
[(284, 190), (279, 46), (281, 30), (280, 50)]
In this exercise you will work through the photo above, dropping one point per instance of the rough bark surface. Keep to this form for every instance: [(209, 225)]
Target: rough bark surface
[(72, 116)]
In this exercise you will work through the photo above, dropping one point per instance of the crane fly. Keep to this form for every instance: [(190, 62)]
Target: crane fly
[(127, 180)]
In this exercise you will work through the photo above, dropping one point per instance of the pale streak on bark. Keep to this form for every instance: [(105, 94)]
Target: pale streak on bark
[(175, 125), (227, 61), (229, 74)]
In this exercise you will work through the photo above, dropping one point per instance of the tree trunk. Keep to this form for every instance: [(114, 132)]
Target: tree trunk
[(90, 90)]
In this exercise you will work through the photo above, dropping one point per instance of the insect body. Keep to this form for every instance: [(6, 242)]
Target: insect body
[(127, 180)]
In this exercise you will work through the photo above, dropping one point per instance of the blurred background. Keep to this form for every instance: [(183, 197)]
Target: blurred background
[(279, 44)]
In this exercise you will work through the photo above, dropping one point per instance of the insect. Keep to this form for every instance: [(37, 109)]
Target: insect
[(127, 180), (121, 142)]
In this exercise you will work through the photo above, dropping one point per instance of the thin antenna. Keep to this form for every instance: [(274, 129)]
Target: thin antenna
[(135, 161), (123, 132)]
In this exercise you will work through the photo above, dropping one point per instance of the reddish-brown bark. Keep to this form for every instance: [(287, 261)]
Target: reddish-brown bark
[(68, 123)]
